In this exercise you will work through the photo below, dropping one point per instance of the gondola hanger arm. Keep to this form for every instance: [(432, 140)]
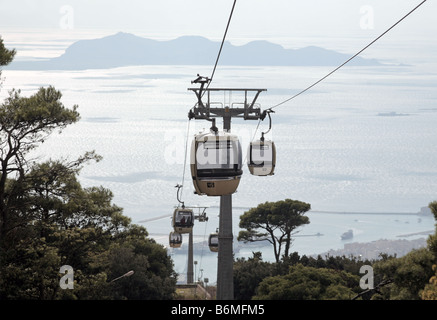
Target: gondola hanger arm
[(267, 112), (177, 195)]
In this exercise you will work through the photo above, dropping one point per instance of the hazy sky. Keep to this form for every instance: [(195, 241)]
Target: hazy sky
[(342, 25), (252, 18)]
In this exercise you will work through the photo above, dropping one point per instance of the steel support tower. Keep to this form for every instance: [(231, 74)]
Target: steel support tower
[(248, 111)]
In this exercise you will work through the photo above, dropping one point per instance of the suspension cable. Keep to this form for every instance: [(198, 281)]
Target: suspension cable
[(223, 42), (208, 81), (185, 158), (353, 57)]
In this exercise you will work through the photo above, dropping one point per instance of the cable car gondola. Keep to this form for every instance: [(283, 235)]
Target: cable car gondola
[(216, 163), (175, 239), (213, 242), (183, 220), (261, 155), (261, 158)]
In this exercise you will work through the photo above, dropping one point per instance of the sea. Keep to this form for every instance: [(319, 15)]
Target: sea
[(360, 147)]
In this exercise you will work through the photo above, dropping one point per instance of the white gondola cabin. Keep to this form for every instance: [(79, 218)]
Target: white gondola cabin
[(175, 239), (213, 242), (183, 220), (216, 163), (261, 157)]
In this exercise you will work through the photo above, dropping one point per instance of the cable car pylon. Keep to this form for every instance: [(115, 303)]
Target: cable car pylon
[(216, 173), (183, 222)]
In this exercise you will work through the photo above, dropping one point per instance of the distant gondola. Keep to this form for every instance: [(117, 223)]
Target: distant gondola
[(175, 239), (261, 154), (261, 157), (216, 163), (213, 242), (183, 220)]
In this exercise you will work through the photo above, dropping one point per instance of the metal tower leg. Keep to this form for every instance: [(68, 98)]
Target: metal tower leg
[(190, 259), (225, 279)]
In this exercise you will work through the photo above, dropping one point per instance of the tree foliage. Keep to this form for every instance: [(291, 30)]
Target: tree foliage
[(409, 273), (48, 220), (413, 275), (274, 222), (24, 124), (308, 283), (6, 55), (250, 273), (410, 277), (430, 290), (57, 222)]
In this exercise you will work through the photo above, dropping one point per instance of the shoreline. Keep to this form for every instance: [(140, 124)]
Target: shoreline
[(372, 250)]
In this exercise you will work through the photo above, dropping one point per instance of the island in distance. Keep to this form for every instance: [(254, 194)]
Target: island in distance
[(125, 49)]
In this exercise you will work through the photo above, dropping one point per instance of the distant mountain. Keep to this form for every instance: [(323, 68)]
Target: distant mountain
[(124, 49)]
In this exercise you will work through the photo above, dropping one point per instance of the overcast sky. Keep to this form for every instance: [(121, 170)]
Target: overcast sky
[(252, 18), (45, 28)]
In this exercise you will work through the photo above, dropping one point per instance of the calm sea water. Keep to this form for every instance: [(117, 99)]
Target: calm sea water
[(364, 140)]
